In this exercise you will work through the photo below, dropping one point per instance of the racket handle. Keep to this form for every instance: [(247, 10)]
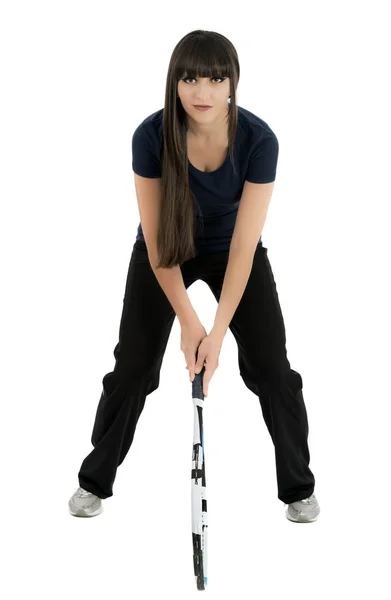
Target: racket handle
[(197, 384)]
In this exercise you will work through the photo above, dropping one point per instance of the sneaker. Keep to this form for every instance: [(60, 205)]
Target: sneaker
[(303, 511), (85, 504)]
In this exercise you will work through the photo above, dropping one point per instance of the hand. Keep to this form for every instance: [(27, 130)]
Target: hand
[(208, 352), (192, 333)]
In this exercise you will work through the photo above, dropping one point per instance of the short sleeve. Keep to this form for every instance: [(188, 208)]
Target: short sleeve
[(144, 159), (263, 160)]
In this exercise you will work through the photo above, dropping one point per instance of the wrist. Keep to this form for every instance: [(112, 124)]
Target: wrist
[(218, 331), (188, 318)]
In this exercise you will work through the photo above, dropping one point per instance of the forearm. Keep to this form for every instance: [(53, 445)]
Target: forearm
[(236, 277), (171, 282)]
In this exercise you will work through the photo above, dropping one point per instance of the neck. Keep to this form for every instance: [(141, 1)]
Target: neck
[(210, 131)]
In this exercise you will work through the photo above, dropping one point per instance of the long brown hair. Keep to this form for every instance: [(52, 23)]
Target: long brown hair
[(198, 54)]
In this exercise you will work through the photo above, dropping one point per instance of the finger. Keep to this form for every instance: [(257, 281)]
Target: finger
[(207, 377), (190, 367), (199, 365), (192, 371)]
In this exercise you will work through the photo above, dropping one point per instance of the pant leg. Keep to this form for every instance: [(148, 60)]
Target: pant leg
[(258, 327), (145, 326)]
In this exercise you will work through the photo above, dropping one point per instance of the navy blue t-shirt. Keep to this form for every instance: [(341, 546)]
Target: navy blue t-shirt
[(217, 192)]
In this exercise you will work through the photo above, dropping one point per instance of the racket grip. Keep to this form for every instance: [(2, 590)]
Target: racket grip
[(197, 384)]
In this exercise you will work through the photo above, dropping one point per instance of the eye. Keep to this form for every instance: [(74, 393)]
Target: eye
[(221, 78)]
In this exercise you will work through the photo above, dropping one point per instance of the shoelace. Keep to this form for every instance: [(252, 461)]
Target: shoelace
[(308, 500), (81, 492)]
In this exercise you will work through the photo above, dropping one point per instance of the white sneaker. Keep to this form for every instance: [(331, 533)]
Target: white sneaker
[(85, 504), (303, 511)]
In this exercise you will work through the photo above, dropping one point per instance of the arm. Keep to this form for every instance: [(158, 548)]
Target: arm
[(148, 191), (249, 224), (171, 282)]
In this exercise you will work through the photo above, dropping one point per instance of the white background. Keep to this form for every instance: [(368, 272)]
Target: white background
[(77, 78)]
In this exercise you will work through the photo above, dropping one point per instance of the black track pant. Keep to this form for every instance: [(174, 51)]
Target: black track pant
[(145, 326)]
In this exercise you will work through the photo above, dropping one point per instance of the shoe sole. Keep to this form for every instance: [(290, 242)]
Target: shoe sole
[(78, 511), (290, 518)]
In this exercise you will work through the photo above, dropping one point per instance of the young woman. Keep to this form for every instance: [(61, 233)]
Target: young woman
[(203, 179)]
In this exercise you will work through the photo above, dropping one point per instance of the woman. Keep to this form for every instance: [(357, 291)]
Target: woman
[(204, 179)]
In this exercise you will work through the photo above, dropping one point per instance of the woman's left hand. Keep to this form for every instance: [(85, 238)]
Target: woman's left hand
[(208, 352)]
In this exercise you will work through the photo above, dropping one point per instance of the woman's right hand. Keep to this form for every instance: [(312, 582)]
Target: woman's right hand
[(192, 334)]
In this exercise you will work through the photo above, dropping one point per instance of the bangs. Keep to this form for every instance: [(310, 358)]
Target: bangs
[(203, 61)]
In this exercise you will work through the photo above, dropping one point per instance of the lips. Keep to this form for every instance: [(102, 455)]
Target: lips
[(202, 106)]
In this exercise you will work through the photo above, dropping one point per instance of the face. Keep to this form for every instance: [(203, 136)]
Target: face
[(213, 91)]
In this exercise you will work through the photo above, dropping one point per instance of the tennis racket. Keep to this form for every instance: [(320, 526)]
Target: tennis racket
[(198, 487)]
